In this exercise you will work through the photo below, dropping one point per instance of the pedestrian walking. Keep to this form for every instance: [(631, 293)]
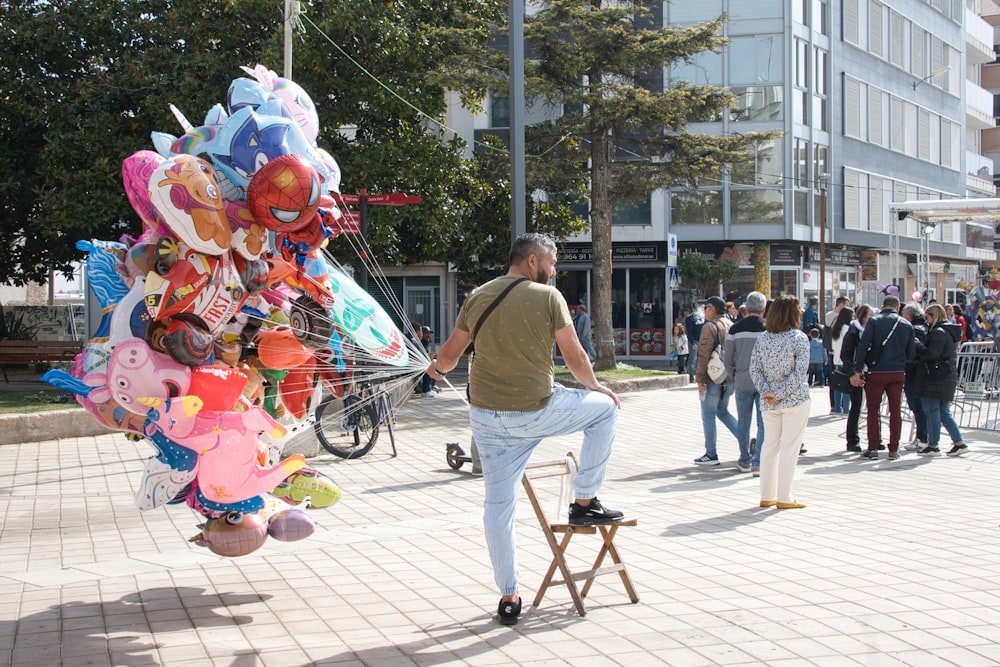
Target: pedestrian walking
[(740, 343), (848, 355), (714, 395), (679, 340)]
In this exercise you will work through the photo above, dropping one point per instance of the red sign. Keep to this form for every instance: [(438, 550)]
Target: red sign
[(394, 199)]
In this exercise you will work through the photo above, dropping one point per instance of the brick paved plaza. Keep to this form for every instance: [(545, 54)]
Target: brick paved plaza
[(890, 563)]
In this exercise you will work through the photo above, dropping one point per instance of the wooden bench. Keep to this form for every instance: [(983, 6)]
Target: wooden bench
[(25, 352)]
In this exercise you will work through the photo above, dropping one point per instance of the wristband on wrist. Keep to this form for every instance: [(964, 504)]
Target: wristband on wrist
[(438, 372)]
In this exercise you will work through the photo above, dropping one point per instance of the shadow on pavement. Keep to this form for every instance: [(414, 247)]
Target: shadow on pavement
[(75, 631)]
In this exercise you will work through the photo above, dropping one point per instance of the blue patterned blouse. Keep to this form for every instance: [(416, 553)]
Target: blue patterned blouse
[(780, 363)]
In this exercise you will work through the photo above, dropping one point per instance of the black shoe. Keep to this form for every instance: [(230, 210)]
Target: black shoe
[(881, 448), (870, 454), (592, 514), (854, 448), (507, 612)]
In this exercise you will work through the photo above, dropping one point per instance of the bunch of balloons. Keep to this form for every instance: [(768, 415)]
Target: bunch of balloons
[(223, 321)]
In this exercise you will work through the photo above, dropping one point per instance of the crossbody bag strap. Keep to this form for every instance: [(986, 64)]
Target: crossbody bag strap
[(492, 306), (889, 335)]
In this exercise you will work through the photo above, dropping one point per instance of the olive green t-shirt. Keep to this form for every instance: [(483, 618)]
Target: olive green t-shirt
[(512, 370)]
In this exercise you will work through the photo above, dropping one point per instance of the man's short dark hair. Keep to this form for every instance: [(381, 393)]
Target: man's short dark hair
[(814, 301), (891, 302), (842, 301), (529, 244)]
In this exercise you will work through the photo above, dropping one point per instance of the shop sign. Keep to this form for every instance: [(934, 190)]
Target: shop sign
[(622, 253), (785, 255), (839, 256), (869, 265)]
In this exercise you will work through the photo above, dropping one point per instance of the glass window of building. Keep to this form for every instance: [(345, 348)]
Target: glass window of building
[(801, 72), (820, 165), (761, 166), (755, 9), (755, 60), (800, 162), (499, 111), (820, 113), (705, 69), (648, 315), (756, 206), (821, 80), (800, 207), (757, 103), (631, 212), (820, 17), (694, 12), (696, 207)]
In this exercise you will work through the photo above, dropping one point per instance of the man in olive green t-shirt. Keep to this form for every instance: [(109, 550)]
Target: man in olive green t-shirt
[(515, 402)]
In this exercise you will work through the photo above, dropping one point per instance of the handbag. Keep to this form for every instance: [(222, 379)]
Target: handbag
[(717, 371), (840, 381)]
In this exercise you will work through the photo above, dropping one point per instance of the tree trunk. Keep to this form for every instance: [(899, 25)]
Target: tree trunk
[(600, 234)]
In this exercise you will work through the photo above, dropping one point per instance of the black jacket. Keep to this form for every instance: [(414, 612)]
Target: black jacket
[(897, 350), (937, 375), (920, 332)]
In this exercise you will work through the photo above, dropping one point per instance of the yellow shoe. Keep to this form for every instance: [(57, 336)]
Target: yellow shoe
[(790, 506), (768, 503)]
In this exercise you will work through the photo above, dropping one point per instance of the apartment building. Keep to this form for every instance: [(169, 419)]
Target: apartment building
[(877, 101)]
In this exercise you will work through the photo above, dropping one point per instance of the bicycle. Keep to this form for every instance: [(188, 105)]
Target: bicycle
[(349, 427)]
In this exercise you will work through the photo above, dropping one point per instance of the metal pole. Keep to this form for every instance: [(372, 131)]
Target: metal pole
[(363, 221), (289, 20), (822, 248), (516, 101)]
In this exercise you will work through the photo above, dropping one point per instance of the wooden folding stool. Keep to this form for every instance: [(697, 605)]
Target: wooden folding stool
[(565, 469)]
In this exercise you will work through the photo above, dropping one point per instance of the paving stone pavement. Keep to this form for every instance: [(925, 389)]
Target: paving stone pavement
[(891, 563)]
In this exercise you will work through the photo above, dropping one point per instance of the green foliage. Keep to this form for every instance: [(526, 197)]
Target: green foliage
[(704, 274), (13, 326), (84, 83)]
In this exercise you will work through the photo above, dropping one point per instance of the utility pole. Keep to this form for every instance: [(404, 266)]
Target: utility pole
[(292, 10), (822, 245), (515, 48)]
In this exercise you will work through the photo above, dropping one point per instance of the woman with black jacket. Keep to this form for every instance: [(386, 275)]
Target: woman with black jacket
[(848, 348), (936, 382)]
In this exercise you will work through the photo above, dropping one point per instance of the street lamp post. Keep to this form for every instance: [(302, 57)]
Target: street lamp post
[(822, 244)]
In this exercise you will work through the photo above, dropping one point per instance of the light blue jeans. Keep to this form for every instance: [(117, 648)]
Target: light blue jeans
[(693, 362), (746, 401), (715, 404), (938, 414), (506, 441)]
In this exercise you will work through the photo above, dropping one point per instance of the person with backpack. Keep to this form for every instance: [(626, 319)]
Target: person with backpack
[(714, 395)]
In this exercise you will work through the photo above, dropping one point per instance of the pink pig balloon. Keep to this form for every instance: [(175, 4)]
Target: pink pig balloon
[(134, 371)]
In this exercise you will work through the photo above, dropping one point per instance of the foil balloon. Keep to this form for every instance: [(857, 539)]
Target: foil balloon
[(185, 194), (361, 317), (233, 535), (137, 172), (291, 525), (284, 194)]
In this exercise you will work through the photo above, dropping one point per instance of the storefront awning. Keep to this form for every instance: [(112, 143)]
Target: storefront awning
[(936, 211)]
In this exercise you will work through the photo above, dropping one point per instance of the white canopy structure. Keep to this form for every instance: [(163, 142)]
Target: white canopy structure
[(936, 211), (932, 212)]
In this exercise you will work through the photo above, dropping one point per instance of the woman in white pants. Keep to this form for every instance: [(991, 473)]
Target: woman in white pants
[(779, 366)]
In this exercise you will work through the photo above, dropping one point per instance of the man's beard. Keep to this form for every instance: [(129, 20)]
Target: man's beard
[(542, 277)]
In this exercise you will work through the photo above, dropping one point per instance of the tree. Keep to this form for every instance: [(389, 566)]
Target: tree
[(705, 273), (83, 84), (604, 63)]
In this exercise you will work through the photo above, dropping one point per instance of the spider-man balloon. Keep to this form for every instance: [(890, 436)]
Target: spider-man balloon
[(284, 194)]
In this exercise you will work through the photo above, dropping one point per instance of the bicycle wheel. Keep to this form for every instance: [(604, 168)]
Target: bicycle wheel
[(347, 428)]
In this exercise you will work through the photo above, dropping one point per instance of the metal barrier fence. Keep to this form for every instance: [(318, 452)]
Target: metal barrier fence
[(977, 401)]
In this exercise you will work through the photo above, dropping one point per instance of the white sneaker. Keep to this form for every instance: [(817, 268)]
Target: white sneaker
[(428, 394), (915, 446)]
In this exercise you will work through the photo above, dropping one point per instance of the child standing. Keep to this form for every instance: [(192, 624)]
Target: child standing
[(679, 341), (817, 358)]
